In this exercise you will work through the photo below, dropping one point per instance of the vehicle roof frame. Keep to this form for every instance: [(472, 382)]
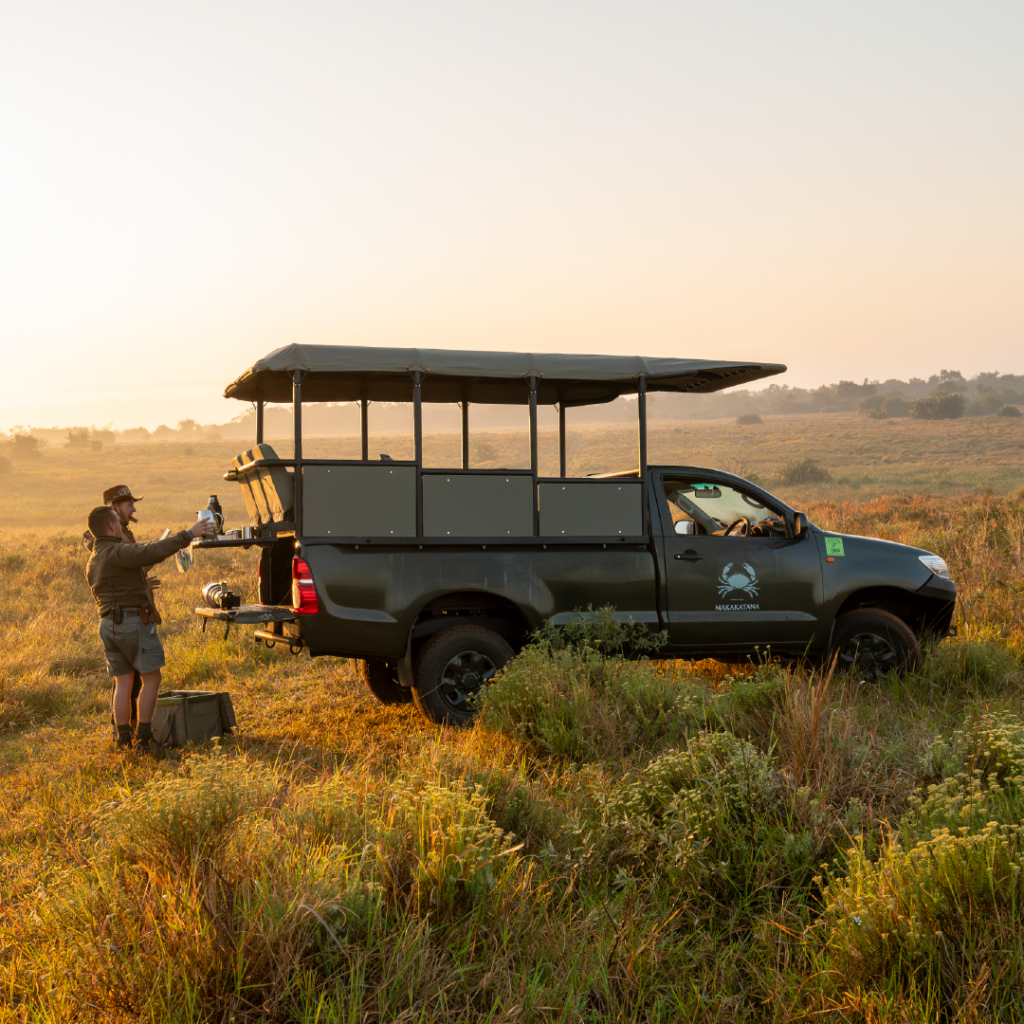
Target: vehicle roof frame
[(364, 374)]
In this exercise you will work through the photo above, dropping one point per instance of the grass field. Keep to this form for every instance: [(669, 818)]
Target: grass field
[(867, 458), (612, 842)]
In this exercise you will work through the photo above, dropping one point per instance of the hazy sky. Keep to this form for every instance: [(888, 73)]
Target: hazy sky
[(188, 186)]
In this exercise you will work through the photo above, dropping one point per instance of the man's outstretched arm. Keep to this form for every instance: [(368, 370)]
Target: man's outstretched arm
[(139, 556)]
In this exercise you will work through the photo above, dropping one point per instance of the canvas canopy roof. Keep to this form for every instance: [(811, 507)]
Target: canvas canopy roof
[(347, 373)]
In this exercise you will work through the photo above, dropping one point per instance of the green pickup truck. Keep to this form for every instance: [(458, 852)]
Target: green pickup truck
[(432, 578)]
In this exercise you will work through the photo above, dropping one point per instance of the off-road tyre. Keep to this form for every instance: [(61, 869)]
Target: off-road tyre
[(450, 669), (382, 681), (871, 642)]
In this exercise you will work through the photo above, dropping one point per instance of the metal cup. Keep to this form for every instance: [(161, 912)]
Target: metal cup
[(248, 533)]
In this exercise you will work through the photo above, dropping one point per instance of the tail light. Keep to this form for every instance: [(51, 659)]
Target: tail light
[(304, 599)]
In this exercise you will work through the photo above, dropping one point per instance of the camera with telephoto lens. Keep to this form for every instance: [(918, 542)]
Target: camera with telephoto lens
[(217, 595)]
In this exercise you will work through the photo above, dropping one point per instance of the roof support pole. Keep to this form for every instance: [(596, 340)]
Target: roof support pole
[(259, 421), (465, 434), (297, 376), (417, 429), (641, 409), (561, 439), (533, 381), (364, 427)]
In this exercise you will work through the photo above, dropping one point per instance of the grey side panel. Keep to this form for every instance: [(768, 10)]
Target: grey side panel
[(354, 501), (369, 598), (477, 506), (591, 508)]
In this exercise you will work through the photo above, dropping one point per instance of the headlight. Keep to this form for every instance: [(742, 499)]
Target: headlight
[(936, 564)]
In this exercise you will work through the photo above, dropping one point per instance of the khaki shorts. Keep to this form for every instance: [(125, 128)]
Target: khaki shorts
[(131, 646)]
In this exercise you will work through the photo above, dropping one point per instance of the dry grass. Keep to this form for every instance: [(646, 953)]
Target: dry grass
[(603, 860)]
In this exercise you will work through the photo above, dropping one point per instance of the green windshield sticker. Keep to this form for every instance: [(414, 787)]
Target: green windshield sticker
[(834, 546)]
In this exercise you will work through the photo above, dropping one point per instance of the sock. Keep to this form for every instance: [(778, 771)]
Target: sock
[(124, 735)]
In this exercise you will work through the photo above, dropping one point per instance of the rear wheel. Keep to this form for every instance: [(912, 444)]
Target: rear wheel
[(382, 681), (451, 669), (872, 643)]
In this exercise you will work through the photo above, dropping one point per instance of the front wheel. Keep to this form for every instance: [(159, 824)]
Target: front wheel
[(452, 667), (872, 643), (382, 681)]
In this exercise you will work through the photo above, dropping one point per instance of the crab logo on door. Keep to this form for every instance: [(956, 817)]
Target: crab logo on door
[(733, 581)]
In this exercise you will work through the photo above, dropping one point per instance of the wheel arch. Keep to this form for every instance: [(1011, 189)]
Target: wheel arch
[(471, 608), (924, 615)]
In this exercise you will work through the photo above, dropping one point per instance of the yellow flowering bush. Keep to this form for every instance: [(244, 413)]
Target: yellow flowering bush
[(941, 888), (436, 844)]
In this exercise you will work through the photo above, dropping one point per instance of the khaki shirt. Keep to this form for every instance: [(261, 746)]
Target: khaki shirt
[(116, 569)]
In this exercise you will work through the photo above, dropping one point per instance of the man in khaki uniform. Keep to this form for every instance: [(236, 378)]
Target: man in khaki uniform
[(122, 501), (116, 574)]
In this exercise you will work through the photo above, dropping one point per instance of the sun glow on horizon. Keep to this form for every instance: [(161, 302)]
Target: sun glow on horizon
[(190, 188)]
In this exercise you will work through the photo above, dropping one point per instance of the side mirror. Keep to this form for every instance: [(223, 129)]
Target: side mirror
[(796, 525), (685, 527)]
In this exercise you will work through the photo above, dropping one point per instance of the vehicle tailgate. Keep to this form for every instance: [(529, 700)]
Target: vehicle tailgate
[(248, 614)]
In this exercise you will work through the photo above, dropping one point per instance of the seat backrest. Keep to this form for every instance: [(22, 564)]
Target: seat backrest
[(278, 485), (252, 491)]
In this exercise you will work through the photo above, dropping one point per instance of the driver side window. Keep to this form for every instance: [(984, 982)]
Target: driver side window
[(699, 506)]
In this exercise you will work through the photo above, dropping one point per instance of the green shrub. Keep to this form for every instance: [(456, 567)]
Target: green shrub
[(749, 419), (437, 846), (570, 693), (711, 817), (25, 446), (939, 407), (1010, 412), (599, 631), (979, 771), (523, 811), (751, 702), (932, 913), (79, 437), (883, 407), (805, 471), (955, 664), (184, 822), (946, 892), (193, 899), (332, 813), (577, 704), (872, 407)]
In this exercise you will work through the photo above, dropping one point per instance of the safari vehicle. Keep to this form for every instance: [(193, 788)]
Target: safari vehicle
[(432, 578)]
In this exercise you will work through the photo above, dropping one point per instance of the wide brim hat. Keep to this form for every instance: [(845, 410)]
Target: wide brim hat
[(122, 492)]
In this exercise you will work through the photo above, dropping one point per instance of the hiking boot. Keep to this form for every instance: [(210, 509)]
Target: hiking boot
[(146, 742), (124, 737)]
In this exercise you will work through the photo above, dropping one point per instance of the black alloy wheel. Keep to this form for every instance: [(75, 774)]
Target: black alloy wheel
[(381, 680), (452, 668), (872, 643)]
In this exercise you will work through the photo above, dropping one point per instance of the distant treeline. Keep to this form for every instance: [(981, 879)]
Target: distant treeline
[(944, 395), (983, 395)]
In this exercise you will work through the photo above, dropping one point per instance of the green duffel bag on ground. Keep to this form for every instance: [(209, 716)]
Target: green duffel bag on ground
[(192, 716)]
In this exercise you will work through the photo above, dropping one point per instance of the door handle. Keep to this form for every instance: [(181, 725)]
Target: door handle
[(690, 556)]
